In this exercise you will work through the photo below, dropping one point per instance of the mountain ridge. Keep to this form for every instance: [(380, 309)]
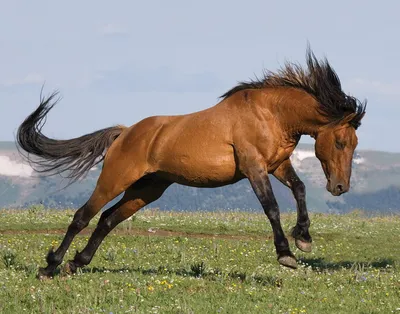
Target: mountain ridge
[(375, 184)]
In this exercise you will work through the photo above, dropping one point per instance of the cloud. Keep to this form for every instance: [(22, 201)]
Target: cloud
[(29, 79), (10, 167), (383, 88), (111, 29)]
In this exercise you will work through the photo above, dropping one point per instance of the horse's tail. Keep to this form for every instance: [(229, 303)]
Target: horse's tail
[(76, 156)]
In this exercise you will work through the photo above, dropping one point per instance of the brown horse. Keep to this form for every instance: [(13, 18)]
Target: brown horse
[(250, 134)]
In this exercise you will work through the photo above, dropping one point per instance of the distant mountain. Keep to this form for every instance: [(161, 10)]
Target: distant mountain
[(375, 186)]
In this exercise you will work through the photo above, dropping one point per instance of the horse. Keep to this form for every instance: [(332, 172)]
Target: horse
[(249, 134)]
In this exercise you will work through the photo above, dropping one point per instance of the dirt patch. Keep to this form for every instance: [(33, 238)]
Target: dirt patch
[(141, 232)]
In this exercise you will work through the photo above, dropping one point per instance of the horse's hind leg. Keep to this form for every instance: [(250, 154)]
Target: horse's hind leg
[(80, 221), (137, 196), (108, 187)]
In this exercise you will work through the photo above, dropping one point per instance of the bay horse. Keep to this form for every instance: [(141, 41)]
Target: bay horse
[(250, 133)]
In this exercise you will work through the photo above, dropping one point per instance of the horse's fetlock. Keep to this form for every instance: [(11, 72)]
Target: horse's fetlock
[(82, 259), (53, 259)]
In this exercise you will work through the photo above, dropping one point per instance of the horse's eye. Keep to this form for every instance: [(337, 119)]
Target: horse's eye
[(340, 145)]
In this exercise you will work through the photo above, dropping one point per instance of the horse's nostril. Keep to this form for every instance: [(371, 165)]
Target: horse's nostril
[(340, 188)]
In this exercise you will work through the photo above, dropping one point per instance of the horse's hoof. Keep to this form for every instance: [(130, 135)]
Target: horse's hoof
[(303, 246), (44, 274), (288, 261), (69, 268)]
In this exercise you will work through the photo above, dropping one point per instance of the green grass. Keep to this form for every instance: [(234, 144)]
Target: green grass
[(213, 262)]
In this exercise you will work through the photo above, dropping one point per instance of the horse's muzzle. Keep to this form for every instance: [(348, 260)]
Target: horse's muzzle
[(337, 188)]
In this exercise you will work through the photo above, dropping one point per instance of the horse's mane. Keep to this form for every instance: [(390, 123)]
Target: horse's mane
[(318, 79)]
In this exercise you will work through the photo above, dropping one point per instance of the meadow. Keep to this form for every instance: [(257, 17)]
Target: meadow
[(203, 262)]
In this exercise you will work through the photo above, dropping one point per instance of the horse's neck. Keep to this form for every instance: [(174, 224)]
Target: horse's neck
[(298, 114)]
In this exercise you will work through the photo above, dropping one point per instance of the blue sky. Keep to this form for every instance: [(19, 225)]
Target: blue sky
[(123, 61)]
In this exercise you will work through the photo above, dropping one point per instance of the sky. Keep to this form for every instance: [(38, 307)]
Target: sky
[(119, 62)]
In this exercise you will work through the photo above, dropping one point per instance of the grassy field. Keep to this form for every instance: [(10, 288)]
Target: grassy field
[(203, 262)]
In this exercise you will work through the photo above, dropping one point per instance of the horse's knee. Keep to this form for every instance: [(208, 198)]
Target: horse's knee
[(299, 189)]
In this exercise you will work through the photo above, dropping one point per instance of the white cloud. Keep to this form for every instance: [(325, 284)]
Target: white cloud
[(10, 167), (389, 89), (299, 155), (113, 29), (31, 78), (358, 160)]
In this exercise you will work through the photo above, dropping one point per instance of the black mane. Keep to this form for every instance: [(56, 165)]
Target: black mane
[(319, 80)]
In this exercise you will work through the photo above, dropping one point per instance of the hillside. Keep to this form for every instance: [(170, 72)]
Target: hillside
[(375, 186)]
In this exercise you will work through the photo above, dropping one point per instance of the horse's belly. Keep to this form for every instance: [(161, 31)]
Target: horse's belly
[(200, 170)]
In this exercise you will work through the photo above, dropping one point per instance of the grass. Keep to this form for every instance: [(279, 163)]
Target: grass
[(203, 262)]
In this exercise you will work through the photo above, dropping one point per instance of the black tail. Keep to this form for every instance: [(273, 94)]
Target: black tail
[(76, 156)]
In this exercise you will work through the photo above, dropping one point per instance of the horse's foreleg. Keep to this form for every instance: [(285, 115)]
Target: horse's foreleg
[(261, 184), (286, 174), (136, 197)]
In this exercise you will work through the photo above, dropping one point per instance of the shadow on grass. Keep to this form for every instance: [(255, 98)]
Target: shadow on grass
[(196, 271), (199, 270), (320, 264)]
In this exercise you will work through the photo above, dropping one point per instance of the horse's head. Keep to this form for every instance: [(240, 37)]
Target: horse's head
[(334, 147)]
